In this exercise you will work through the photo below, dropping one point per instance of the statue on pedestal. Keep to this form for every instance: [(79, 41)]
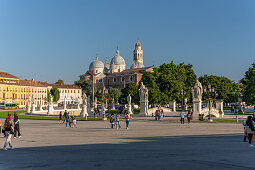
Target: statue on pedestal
[(144, 99), (84, 112), (197, 90), (129, 104)]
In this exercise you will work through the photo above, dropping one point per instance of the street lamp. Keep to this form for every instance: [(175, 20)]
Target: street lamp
[(212, 93), (182, 93)]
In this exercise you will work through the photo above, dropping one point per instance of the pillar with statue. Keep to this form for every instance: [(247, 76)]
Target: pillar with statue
[(144, 100)]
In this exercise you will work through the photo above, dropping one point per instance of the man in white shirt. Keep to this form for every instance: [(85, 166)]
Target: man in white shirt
[(182, 114)]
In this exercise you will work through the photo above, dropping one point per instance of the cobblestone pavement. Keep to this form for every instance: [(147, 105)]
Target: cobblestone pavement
[(148, 144)]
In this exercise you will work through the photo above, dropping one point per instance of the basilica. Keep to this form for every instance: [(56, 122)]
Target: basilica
[(115, 74)]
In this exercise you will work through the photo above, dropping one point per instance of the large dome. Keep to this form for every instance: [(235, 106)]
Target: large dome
[(118, 60), (96, 64)]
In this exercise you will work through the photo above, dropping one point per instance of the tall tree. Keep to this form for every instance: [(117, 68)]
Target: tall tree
[(114, 94), (133, 90), (249, 85), (86, 86), (55, 94), (222, 85), (61, 82)]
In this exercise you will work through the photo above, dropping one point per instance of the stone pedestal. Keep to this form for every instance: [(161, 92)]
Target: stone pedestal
[(219, 107), (172, 105), (28, 109), (50, 109), (129, 109), (197, 107), (144, 107), (33, 108), (84, 112), (65, 104)]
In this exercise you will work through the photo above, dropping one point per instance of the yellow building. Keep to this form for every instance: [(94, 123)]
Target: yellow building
[(14, 90)]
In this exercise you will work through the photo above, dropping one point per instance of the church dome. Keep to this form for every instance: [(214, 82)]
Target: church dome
[(118, 60), (106, 66), (95, 65)]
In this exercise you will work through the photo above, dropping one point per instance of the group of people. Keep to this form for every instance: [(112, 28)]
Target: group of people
[(11, 127), (115, 120), (189, 116), (159, 113), (68, 120), (249, 129)]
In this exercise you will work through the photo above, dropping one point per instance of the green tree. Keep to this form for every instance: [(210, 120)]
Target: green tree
[(249, 85), (167, 81), (114, 94), (61, 82), (86, 86), (222, 85), (133, 90), (55, 94)]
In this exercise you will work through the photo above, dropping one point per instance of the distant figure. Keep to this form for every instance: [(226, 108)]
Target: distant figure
[(189, 116), (67, 119), (249, 127), (127, 117), (1, 126), (60, 118), (74, 122), (182, 115), (245, 133), (117, 119), (16, 126), (8, 130), (112, 120)]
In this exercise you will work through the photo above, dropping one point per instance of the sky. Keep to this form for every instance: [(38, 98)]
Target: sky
[(50, 40)]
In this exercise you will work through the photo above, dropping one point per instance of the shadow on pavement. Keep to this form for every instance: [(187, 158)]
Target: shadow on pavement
[(185, 152)]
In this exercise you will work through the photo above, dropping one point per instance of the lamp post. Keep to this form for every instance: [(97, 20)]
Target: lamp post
[(212, 93), (104, 91), (239, 99), (182, 93)]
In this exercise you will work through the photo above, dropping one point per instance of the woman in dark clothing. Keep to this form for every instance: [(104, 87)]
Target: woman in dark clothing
[(8, 130), (16, 126), (249, 127)]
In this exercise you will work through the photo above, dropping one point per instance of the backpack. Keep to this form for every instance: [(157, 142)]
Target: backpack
[(251, 126)]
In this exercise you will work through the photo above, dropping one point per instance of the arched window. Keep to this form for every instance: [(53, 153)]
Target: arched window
[(114, 80), (122, 79), (131, 78)]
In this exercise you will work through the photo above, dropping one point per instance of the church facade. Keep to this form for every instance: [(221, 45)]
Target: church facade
[(115, 74)]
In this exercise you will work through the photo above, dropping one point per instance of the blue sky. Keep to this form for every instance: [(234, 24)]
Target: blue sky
[(57, 39)]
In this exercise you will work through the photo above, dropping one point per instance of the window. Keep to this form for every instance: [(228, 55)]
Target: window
[(122, 79), (114, 80), (131, 78), (100, 80)]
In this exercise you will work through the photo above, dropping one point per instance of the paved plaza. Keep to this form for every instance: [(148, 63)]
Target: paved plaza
[(148, 144)]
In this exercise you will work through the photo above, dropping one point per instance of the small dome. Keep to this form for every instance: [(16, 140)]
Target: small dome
[(96, 64), (106, 66), (118, 60)]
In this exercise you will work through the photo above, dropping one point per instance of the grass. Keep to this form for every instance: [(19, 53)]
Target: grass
[(248, 113), (4, 114), (136, 111), (227, 121)]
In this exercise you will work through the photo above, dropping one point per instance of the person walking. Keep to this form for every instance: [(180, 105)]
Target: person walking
[(182, 115), (118, 121), (244, 127), (74, 122), (112, 120), (127, 117), (16, 126), (67, 119), (8, 130), (249, 129), (189, 116), (60, 118)]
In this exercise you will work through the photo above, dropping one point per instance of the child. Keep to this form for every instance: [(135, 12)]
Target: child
[(74, 122)]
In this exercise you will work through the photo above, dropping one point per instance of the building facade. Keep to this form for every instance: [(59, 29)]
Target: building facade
[(14, 90), (115, 74)]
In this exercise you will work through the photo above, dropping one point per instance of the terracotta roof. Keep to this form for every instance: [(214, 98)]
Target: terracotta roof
[(135, 70), (30, 83), (65, 86), (7, 75)]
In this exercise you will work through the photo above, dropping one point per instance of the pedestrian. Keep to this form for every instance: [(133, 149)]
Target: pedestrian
[(65, 113), (161, 114), (9, 115), (67, 119), (189, 116), (74, 122), (245, 133), (16, 126), (112, 120), (60, 118), (117, 119), (8, 130), (182, 115), (1, 126), (127, 117), (249, 129)]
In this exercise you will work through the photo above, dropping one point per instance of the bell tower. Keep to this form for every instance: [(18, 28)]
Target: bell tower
[(138, 56)]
